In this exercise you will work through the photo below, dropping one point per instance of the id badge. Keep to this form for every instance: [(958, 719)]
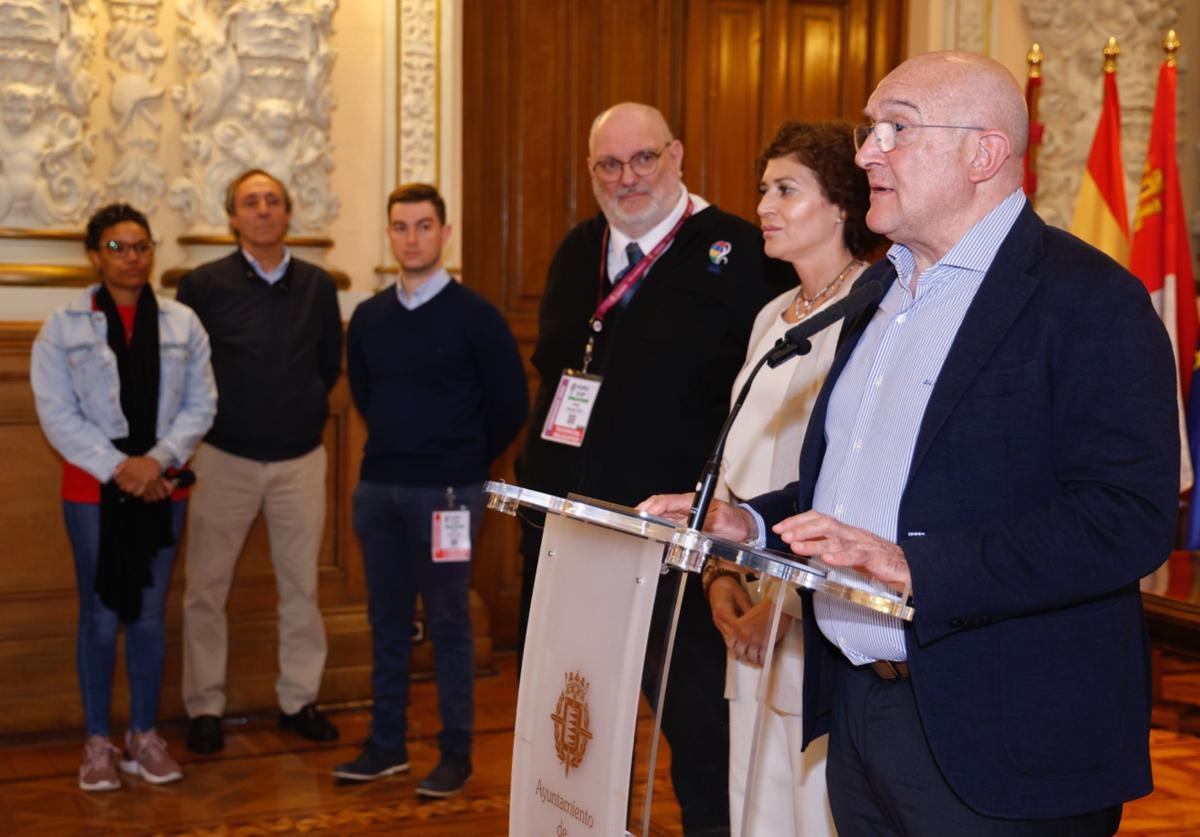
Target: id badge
[(451, 535), (567, 421)]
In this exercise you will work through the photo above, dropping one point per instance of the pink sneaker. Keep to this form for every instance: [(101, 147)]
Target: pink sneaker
[(146, 756), (99, 769)]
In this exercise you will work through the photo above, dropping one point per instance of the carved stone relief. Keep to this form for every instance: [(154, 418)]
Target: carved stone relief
[(972, 19), (1072, 34), (45, 148), (137, 177), (418, 128), (257, 95)]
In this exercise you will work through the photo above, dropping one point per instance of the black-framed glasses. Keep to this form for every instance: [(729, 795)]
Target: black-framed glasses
[(643, 164), (141, 249), (892, 133)]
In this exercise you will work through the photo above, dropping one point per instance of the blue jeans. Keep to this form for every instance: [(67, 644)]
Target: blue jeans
[(394, 525), (96, 647)]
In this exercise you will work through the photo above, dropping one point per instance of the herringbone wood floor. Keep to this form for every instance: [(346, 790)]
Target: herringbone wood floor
[(267, 783)]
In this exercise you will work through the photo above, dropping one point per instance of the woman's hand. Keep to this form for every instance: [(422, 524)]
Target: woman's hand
[(744, 626), (137, 474)]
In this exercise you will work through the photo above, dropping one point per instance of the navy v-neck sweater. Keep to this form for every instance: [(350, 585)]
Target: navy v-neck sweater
[(442, 387)]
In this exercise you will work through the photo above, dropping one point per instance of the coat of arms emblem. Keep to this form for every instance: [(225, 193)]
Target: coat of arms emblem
[(571, 724)]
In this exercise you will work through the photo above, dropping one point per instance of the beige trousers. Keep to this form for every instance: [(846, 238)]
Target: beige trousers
[(229, 493)]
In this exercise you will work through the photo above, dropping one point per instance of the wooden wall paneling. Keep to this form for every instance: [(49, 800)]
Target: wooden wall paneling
[(815, 61), (723, 80)]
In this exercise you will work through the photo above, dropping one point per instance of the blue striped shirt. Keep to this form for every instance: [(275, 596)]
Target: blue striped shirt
[(876, 408)]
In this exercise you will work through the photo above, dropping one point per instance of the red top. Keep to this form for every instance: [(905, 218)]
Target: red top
[(78, 486)]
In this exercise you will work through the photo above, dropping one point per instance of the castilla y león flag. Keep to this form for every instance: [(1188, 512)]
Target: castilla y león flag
[(1160, 257)]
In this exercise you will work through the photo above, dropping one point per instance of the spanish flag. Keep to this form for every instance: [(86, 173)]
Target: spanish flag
[(1101, 214), (1161, 258)]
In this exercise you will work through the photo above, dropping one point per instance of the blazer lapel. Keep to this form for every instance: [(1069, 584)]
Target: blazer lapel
[(1002, 296)]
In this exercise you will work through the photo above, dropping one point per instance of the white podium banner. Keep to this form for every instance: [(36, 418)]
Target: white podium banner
[(580, 679)]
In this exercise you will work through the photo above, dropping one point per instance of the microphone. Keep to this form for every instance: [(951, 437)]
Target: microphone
[(795, 339), (794, 342)]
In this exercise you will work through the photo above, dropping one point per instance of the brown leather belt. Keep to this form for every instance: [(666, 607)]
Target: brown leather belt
[(888, 670)]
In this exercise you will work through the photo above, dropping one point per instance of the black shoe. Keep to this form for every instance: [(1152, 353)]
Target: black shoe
[(446, 779), (372, 763), (205, 735), (310, 723)]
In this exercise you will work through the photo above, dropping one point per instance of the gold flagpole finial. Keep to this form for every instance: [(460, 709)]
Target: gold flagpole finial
[(1170, 47), (1111, 51), (1034, 59)]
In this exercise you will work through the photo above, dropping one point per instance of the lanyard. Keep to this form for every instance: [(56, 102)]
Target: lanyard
[(629, 280)]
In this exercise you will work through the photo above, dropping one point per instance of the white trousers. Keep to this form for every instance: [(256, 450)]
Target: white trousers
[(789, 785)]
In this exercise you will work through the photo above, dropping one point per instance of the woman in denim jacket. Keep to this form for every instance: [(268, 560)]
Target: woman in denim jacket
[(124, 392)]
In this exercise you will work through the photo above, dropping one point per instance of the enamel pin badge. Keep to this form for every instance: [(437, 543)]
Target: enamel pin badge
[(718, 255)]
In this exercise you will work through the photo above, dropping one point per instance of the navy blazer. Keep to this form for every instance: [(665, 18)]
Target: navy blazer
[(1044, 484)]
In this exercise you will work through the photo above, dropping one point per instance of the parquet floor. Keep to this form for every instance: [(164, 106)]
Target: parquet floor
[(266, 783)]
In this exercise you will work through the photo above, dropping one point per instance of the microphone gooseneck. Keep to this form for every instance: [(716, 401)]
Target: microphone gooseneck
[(794, 342)]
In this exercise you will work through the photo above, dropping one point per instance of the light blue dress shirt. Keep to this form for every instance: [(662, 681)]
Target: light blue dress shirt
[(270, 276), (426, 291), (876, 407)]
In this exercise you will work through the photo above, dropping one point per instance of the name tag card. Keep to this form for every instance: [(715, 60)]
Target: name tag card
[(451, 536), (567, 421)]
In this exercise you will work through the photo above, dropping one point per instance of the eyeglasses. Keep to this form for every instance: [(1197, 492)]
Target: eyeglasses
[(643, 164), (141, 249), (890, 134)]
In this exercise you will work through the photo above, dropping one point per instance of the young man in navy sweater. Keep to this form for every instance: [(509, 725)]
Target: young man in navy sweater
[(435, 371)]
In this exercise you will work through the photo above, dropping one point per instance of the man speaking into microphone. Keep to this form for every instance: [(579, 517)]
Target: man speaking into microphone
[(999, 437)]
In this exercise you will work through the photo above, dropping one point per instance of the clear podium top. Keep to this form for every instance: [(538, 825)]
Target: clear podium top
[(688, 549)]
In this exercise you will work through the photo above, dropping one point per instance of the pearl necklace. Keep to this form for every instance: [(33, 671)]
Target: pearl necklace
[(803, 305)]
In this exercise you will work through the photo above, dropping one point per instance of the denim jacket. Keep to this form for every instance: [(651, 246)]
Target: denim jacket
[(77, 389)]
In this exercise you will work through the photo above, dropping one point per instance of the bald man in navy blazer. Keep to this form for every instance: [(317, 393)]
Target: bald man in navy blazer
[(999, 435)]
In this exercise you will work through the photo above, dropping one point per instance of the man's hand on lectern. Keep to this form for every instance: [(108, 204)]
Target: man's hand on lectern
[(725, 521), (813, 534)]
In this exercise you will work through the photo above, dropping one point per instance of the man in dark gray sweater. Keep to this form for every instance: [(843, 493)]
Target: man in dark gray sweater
[(276, 336)]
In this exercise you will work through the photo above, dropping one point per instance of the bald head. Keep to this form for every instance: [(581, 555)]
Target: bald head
[(968, 89), (630, 118)]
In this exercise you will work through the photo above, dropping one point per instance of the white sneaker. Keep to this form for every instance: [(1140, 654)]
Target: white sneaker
[(146, 756)]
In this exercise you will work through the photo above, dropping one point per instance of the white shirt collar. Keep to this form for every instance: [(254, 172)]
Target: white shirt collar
[(618, 241), (270, 276)]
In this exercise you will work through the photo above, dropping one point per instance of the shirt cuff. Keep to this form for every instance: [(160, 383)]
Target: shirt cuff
[(759, 541)]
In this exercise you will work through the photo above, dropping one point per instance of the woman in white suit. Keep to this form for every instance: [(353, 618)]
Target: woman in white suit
[(812, 213)]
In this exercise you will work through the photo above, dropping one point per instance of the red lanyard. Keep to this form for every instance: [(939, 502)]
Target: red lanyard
[(634, 274), (631, 278)]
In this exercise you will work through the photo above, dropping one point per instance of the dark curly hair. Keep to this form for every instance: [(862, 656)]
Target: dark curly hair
[(827, 148), (111, 215)]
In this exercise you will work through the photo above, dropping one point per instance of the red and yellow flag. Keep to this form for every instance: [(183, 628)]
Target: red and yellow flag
[(1160, 255), (1101, 214)]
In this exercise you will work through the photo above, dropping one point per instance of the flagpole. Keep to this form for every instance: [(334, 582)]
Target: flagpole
[(1033, 84)]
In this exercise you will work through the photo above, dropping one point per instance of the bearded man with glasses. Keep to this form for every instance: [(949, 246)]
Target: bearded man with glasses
[(655, 296)]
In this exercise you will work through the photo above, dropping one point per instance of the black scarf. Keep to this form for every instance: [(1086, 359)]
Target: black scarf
[(132, 531)]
